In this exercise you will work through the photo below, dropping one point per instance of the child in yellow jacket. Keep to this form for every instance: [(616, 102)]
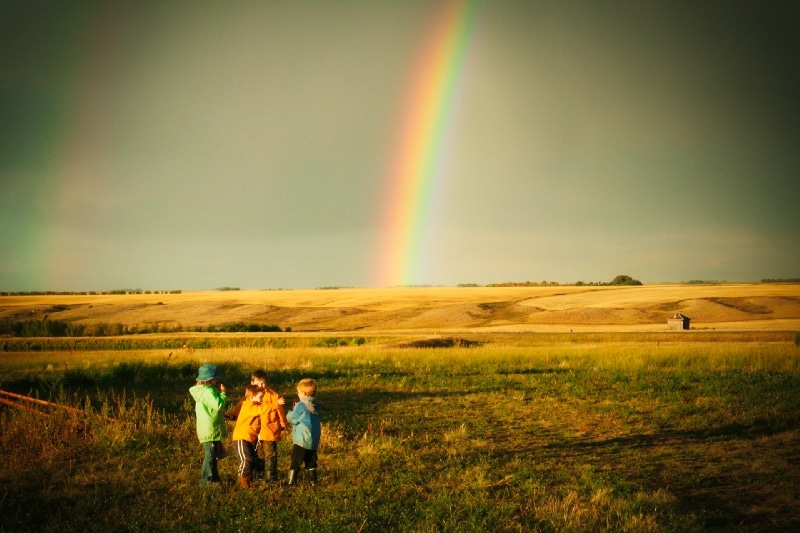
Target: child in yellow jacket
[(272, 423), (251, 423)]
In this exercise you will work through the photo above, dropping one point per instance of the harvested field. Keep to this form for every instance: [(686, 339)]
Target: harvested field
[(641, 308)]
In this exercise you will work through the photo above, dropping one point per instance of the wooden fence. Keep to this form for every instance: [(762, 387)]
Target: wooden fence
[(35, 405)]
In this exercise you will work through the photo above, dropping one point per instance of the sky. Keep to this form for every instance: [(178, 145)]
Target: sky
[(260, 144)]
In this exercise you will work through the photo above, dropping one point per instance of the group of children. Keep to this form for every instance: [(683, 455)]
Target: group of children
[(260, 419)]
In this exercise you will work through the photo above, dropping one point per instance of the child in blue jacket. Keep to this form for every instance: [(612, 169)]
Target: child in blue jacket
[(306, 431)]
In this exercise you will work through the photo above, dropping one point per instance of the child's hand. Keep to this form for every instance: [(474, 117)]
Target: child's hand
[(281, 400)]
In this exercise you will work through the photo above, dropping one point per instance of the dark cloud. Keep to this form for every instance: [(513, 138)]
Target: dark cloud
[(173, 143)]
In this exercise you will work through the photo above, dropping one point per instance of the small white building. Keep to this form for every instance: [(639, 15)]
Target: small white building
[(678, 321)]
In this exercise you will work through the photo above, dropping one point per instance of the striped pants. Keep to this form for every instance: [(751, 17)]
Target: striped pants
[(246, 452)]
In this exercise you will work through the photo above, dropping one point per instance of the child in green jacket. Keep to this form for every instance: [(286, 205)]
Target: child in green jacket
[(209, 396)]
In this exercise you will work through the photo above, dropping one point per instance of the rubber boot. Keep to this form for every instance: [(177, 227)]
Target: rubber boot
[(291, 481), (273, 469), (312, 477), (245, 482)]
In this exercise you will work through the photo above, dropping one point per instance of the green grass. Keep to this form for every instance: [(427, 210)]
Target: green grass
[(598, 435)]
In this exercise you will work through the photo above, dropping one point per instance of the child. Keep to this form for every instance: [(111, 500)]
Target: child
[(245, 435), (258, 378), (209, 396), (273, 421), (305, 433)]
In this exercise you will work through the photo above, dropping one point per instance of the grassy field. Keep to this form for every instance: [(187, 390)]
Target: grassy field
[(561, 436), (454, 411)]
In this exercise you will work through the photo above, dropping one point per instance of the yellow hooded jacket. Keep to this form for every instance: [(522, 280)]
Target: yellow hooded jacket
[(263, 420), (249, 422)]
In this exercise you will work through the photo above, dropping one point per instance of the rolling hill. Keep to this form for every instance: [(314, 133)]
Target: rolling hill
[(487, 309)]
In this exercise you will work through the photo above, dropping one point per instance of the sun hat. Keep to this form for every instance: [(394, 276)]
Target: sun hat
[(207, 373)]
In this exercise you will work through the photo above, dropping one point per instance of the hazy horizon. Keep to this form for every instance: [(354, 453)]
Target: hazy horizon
[(543, 283)]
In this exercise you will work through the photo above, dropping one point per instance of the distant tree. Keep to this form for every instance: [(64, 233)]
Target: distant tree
[(625, 280)]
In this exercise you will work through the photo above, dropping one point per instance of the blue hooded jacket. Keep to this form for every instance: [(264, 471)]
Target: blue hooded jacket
[(304, 419)]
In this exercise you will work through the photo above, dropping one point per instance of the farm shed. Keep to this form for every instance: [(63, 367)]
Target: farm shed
[(678, 321)]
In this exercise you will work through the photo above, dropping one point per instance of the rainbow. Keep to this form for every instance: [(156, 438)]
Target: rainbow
[(416, 165)]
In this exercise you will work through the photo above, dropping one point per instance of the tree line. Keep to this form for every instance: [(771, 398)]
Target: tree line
[(622, 279), (60, 328), (85, 293)]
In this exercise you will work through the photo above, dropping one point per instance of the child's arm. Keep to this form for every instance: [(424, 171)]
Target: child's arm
[(282, 417), (296, 415), (233, 414), (214, 400)]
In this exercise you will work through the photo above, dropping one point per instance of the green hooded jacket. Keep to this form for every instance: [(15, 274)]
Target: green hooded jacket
[(209, 406)]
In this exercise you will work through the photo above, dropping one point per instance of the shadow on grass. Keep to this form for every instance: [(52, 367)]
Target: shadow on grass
[(537, 371), (761, 427), (723, 496)]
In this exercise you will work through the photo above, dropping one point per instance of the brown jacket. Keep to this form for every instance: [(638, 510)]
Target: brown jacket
[(273, 420)]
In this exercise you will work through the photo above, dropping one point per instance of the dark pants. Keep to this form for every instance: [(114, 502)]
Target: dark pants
[(305, 457), (246, 451), (266, 453)]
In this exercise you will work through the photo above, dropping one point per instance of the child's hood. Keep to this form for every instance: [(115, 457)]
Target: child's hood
[(198, 391), (311, 404)]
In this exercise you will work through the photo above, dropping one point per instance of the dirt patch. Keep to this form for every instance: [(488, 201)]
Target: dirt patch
[(441, 342)]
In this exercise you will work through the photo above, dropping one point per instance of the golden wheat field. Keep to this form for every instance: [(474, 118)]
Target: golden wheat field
[(442, 309)]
